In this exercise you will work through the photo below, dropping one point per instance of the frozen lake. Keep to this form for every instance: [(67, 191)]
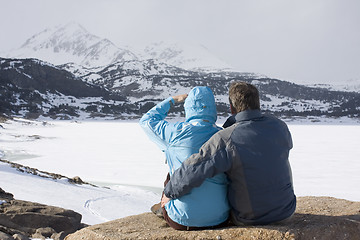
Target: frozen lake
[(324, 160)]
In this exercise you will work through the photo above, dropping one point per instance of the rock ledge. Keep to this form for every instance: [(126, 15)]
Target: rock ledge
[(315, 218)]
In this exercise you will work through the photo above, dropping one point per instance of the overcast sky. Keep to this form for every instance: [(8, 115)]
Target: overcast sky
[(301, 41)]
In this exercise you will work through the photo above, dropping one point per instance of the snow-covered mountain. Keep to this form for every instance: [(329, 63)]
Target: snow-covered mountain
[(187, 56), (71, 43)]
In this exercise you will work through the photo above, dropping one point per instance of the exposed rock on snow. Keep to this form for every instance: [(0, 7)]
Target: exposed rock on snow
[(44, 174), (315, 218)]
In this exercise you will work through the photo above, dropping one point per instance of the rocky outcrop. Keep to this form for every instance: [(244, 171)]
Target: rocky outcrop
[(22, 219), (315, 218), (5, 195)]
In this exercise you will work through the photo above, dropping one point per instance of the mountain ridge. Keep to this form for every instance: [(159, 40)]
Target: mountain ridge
[(72, 43)]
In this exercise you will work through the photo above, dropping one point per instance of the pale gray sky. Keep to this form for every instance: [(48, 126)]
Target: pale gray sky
[(301, 41)]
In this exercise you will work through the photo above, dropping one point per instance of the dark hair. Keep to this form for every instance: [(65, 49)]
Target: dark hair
[(243, 96)]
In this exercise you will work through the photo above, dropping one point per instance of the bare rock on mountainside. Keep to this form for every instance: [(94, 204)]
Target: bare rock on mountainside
[(22, 219), (315, 218)]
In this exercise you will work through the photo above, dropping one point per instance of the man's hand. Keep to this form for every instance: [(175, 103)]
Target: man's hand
[(164, 200), (180, 98)]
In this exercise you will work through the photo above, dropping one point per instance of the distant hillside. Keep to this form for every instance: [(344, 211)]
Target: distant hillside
[(33, 88)]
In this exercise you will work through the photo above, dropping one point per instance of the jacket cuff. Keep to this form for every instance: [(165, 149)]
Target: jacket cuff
[(171, 100)]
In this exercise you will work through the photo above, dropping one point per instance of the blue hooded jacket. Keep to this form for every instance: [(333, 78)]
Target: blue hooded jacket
[(206, 205)]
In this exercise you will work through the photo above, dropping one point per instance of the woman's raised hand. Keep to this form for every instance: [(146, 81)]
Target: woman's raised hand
[(180, 98)]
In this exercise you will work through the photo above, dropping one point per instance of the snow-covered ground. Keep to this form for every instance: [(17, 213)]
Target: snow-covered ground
[(117, 154)]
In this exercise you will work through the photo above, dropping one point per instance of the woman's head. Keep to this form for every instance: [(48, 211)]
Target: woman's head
[(200, 104)]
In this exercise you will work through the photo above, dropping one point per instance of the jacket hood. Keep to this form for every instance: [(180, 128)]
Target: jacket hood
[(200, 104)]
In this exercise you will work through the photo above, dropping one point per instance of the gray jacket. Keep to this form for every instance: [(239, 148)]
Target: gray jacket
[(253, 152)]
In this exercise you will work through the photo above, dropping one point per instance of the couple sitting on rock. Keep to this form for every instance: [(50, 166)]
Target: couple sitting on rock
[(240, 173)]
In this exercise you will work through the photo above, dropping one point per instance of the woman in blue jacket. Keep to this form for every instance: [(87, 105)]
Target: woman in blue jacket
[(206, 205)]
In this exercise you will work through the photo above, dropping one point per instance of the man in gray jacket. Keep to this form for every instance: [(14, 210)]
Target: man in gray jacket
[(253, 151)]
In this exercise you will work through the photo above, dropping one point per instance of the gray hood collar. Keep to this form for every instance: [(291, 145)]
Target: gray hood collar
[(248, 115)]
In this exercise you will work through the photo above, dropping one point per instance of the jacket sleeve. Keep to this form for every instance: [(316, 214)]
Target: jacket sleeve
[(155, 126), (213, 158)]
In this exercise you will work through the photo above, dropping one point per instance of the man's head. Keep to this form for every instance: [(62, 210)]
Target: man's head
[(243, 96)]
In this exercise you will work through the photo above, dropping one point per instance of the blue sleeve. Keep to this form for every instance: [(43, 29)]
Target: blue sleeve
[(154, 125), (212, 159)]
